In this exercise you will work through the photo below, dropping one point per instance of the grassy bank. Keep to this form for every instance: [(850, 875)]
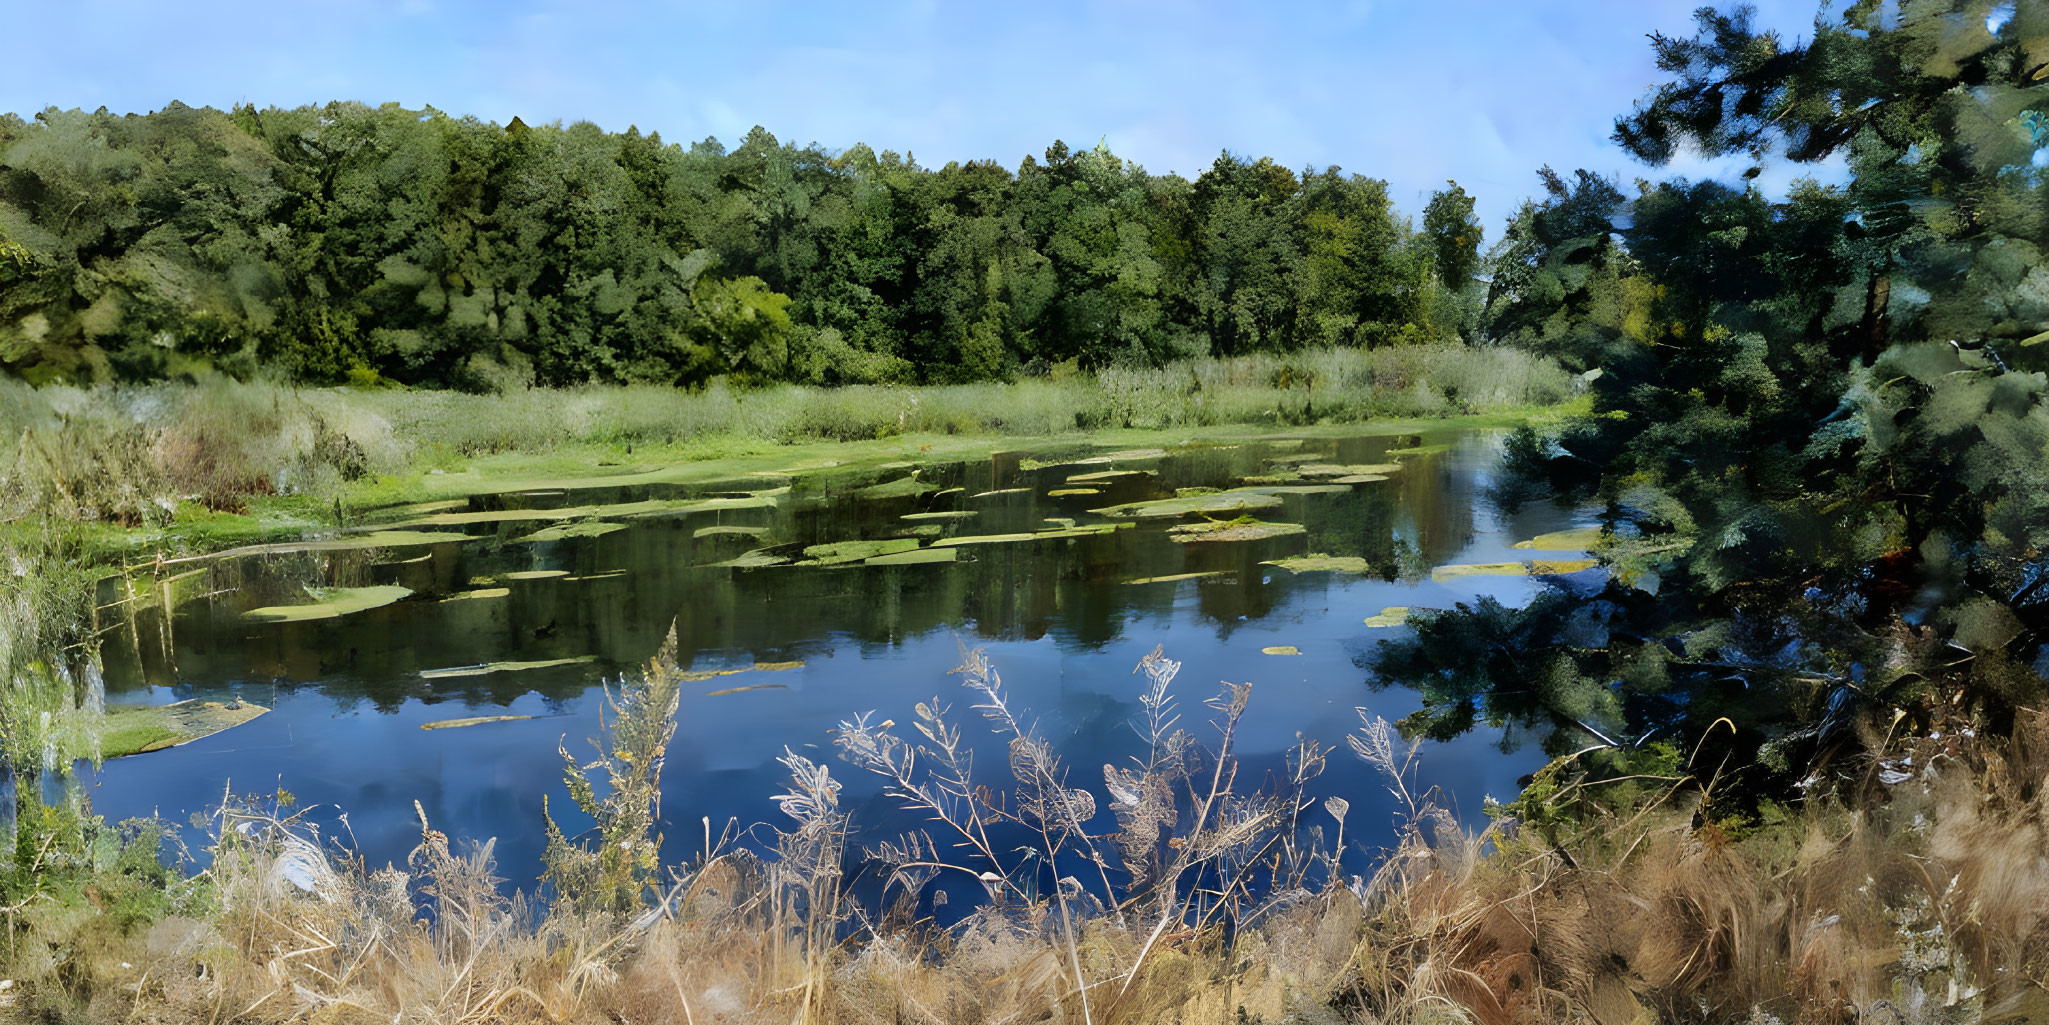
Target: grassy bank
[(159, 455), (1916, 898)]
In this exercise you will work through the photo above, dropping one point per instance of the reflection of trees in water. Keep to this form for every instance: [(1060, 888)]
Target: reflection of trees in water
[(472, 608)]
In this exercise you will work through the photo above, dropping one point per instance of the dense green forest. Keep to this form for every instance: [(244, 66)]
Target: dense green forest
[(350, 242)]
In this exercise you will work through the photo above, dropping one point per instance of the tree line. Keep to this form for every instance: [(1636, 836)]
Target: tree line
[(352, 242)]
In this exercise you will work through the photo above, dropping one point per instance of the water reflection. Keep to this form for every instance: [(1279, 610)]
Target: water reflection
[(1063, 619)]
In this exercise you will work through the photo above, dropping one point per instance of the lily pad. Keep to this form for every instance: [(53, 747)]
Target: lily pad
[(342, 543), (1334, 470), (487, 668), (1175, 577), (854, 551), (1393, 615), (1034, 464), (727, 530), (330, 603), (1359, 478), (1281, 649), (1101, 476), (1578, 539), (1332, 488), (757, 559), (565, 531), (135, 729), (983, 539), (1068, 492), (1320, 563), (742, 690), (1001, 492), (902, 487), (701, 675), (949, 514), (475, 720), (915, 557), (535, 574), (482, 592), (1234, 531), (1536, 568), (1087, 530), (1236, 501)]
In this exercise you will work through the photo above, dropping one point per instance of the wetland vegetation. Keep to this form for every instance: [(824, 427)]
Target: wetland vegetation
[(1681, 555)]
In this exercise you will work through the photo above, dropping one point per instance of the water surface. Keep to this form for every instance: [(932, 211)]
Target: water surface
[(1065, 619)]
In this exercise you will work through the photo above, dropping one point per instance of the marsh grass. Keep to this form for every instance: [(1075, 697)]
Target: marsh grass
[(1914, 894)]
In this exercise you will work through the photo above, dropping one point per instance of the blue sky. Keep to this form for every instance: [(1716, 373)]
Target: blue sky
[(1412, 91)]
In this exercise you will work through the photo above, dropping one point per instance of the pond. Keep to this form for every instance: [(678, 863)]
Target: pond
[(833, 591)]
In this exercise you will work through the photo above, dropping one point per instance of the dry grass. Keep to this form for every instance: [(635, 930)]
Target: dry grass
[(1921, 895)]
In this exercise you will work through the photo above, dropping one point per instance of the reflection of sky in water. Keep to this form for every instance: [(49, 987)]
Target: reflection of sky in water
[(331, 747)]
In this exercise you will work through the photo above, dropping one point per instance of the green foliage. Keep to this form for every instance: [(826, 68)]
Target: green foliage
[(1454, 236), (1818, 422), (348, 243), (618, 871)]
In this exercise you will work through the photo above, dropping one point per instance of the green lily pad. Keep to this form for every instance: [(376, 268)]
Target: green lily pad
[(135, 729), (342, 543), (475, 720), (915, 557), (487, 668), (1237, 501), (565, 531), (1001, 492), (1334, 470), (1320, 563), (1233, 531), (535, 574), (1176, 577), (902, 487), (950, 514), (840, 552), (1066, 492), (1281, 649), (753, 560), (1332, 488), (482, 592), (1359, 478), (700, 675), (983, 539), (727, 530), (742, 690), (1035, 464), (1087, 530), (1393, 615), (1536, 568), (1101, 476), (1578, 539), (330, 603)]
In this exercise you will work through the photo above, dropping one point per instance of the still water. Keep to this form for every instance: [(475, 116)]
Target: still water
[(496, 625)]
